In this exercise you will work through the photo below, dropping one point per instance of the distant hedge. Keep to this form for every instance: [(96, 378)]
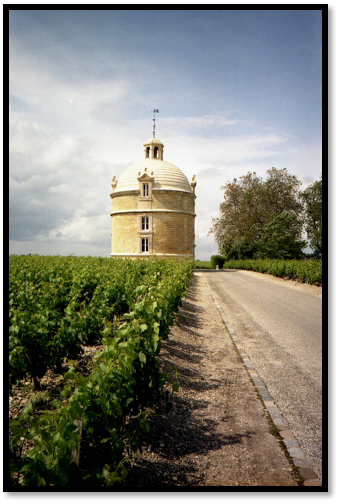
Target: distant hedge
[(303, 270), (217, 260), (202, 265)]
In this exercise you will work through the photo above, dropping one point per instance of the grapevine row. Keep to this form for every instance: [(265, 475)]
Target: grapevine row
[(110, 404), (58, 304)]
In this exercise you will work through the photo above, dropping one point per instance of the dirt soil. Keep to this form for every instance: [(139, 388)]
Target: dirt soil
[(218, 432)]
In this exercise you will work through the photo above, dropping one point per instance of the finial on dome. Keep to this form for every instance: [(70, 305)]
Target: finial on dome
[(193, 183), (155, 111), (114, 183)]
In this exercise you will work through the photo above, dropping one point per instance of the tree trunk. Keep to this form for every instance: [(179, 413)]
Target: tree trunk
[(36, 383)]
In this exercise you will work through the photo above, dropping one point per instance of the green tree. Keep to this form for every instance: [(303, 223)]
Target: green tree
[(281, 193), (249, 205), (313, 203), (236, 227), (282, 238)]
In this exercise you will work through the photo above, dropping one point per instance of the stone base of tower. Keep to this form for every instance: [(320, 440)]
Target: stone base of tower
[(180, 257)]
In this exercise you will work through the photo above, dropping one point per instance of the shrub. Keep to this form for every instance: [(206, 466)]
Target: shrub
[(217, 260)]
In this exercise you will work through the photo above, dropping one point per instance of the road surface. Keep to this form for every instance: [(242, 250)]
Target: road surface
[(279, 325)]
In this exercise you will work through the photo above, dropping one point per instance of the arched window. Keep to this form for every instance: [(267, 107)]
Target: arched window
[(147, 152), (155, 152)]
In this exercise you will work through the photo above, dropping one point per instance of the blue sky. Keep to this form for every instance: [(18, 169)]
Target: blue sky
[(237, 91)]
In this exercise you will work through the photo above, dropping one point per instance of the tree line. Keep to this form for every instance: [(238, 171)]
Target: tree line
[(268, 218)]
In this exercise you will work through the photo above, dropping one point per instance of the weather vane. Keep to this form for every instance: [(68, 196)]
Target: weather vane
[(155, 111)]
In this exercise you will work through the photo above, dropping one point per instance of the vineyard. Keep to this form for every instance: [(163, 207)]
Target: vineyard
[(308, 271), (58, 306)]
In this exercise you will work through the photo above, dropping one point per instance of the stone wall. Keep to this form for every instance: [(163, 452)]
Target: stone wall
[(171, 218), (173, 233), (174, 200), (124, 231)]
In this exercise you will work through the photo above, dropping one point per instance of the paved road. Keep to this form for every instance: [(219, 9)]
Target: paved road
[(280, 328)]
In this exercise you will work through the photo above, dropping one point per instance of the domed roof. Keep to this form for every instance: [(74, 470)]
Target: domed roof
[(165, 176)]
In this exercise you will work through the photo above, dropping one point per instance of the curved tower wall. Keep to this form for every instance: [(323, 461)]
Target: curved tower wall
[(153, 210)]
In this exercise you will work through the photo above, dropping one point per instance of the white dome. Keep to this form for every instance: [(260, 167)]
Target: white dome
[(165, 175)]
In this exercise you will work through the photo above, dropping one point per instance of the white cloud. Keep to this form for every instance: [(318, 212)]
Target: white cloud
[(68, 138), (211, 120), (196, 154), (306, 160), (59, 98), (55, 188), (51, 248), (80, 229), (67, 176), (78, 91)]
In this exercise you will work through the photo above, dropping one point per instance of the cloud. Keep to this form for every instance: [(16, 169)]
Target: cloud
[(58, 96), (69, 134), (203, 121), (80, 228), (209, 173), (306, 161), (81, 89), (307, 181), (60, 183), (196, 154), (50, 248), (56, 189)]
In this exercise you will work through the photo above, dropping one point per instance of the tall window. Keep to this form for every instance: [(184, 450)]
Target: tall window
[(147, 152), (145, 245), (145, 222), (145, 190), (155, 152)]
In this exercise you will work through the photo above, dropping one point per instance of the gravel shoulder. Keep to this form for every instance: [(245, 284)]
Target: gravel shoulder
[(218, 433)]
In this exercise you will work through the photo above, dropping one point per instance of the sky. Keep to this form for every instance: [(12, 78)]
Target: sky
[(237, 91)]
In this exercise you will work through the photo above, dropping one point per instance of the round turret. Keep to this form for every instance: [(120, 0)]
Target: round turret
[(153, 208)]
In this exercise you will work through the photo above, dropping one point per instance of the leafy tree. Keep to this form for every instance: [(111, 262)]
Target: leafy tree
[(282, 238), (281, 193), (249, 205), (236, 227), (312, 198)]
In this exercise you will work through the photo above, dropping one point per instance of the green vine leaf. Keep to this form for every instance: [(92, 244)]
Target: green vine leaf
[(142, 357)]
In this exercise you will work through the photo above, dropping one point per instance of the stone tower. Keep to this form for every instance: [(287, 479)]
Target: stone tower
[(153, 209)]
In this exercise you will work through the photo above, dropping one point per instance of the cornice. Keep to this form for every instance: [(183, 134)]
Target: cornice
[(152, 210), (144, 255), (164, 191)]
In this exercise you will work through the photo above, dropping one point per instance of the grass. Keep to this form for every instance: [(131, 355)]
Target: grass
[(203, 264)]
